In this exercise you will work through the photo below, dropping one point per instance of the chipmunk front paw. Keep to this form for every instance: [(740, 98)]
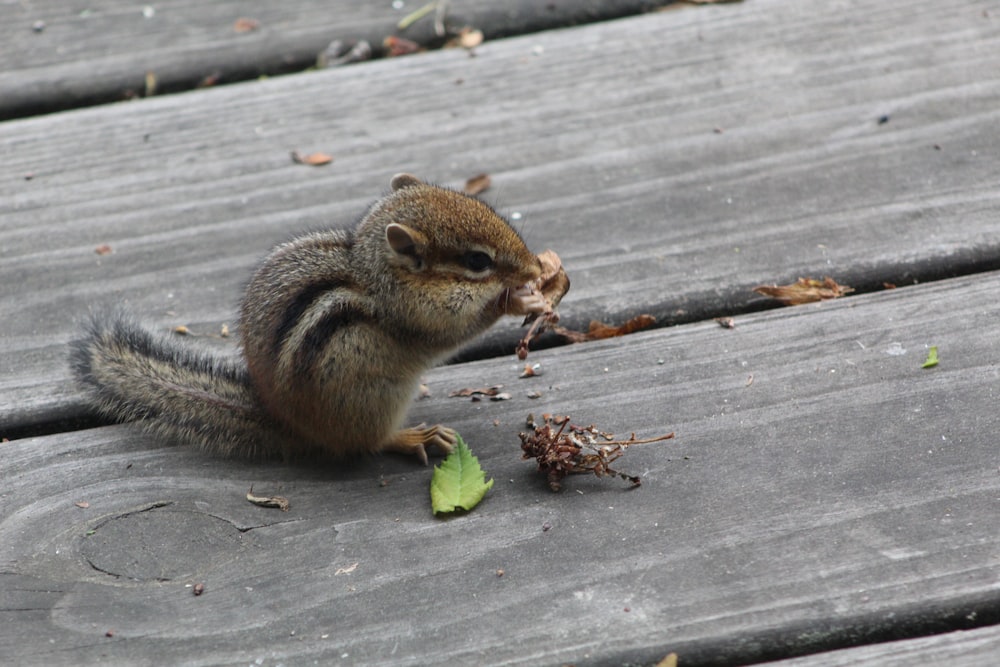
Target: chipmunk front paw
[(414, 441)]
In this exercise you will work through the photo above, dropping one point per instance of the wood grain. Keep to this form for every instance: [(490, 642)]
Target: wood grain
[(59, 57), (967, 647), (601, 139), (823, 490)]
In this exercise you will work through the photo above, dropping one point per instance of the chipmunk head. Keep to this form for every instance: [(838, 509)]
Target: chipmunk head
[(453, 254)]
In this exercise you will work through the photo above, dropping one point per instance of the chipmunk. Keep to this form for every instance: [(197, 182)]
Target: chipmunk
[(336, 329)]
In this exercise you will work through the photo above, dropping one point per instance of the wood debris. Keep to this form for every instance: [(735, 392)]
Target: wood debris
[(804, 290), (269, 501), (467, 38)]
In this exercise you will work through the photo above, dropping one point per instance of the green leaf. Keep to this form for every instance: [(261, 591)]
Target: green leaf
[(459, 482), (932, 359)]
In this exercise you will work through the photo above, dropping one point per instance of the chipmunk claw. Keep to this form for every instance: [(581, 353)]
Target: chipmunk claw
[(415, 440)]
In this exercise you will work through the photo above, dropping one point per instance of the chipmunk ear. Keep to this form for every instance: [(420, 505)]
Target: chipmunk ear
[(407, 243), (400, 181)]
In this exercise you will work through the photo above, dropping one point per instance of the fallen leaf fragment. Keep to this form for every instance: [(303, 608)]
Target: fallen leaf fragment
[(182, 330), (467, 38), (552, 284), (804, 290), (932, 357), (269, 501), (459, 483), (209, 80), (150, 84), (669, 660), (476, 184), (599, 330), (531, 370), (103, 249), (244, 24), (397, 46), (312, 159)]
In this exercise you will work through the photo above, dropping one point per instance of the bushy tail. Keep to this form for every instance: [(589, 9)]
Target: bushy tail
[(187, 395)]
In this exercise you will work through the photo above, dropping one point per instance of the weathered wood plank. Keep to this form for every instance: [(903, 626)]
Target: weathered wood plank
[(823, 489), (601, 137), (60, 57), (967, 648)]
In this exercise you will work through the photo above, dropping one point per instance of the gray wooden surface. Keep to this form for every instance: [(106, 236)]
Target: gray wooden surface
[(605, 148), (824, 491), (980, 647), (57, 55)]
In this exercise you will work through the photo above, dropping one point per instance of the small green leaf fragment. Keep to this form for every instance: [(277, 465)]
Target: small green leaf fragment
[(932, 358), (459, 482)]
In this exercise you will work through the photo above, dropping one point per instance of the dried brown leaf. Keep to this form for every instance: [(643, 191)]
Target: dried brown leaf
[(599, 330), (397, 46), (244, 24), (477, 184), (804, 290), (553, 284), (311, 159)]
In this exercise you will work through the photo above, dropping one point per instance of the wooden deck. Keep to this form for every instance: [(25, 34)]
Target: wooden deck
[(827, 501)]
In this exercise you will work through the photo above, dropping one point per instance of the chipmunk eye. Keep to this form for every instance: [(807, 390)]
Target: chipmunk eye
[(476, 260)]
